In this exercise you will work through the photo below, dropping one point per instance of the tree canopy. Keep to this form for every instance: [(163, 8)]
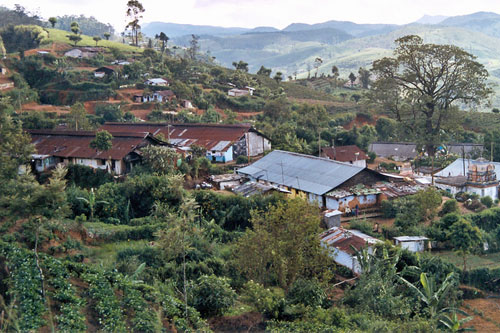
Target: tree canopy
[(424, 83)]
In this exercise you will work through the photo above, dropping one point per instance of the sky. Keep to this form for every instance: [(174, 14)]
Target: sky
[(254, 13)]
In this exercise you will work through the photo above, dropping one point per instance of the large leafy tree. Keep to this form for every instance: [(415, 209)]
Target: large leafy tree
[(23, 37), (102, 141), (465, 238), (134, 12), (77, 117), (423, 84), (16, 144), (283, 245)]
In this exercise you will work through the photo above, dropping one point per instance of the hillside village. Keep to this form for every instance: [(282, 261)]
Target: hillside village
[(145, 188)]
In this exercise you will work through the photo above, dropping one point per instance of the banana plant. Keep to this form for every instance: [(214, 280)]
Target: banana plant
[(430, 294), (92, 202), (452, 322)]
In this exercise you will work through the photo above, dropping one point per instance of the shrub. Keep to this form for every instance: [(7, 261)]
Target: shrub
[(487, 201), (307, 292), (474, 205), (371, 157), (212, 295), (389, 209), (265, 300), (87, 177), (362, 225), (449, 206), (242, 159)]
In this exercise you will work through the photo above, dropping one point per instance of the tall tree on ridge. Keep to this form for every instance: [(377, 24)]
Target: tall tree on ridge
[(134, 12)]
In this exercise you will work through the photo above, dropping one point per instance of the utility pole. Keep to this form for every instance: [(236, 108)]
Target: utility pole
[(491, 150), (319, 142), (463, 158)]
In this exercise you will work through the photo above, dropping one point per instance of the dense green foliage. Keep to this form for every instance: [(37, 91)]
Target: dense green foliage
[(88, 25)]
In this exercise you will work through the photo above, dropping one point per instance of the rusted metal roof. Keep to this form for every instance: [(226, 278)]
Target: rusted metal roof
[(348, 241), (344, 153), (217, 137), (76, 144)]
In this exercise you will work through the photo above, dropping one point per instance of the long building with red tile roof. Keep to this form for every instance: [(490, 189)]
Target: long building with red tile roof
[(349, 154), (73, 147), (223, 142)]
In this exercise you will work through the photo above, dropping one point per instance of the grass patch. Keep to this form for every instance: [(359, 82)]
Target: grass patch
[(105, 254), (488, 260), (59, 36)]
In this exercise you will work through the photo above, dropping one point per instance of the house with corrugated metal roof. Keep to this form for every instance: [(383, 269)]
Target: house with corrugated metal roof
[(330, 184), (403, 151), (73, 147), (351, 154), (223, 142), (342, 245)]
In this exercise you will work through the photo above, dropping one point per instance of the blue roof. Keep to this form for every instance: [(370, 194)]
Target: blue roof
[(303, 172)]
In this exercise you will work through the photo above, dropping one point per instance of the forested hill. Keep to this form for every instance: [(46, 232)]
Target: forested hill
[(346, 45)]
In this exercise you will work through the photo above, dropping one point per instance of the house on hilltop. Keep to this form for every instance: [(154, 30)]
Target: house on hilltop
[(223, 142), (73, 147), (349, 154), (103, 71), (157, 82), (161, 96), (83, 52), (235, 92)]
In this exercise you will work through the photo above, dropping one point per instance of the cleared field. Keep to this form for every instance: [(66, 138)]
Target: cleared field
[(59, 36), (489, 260)]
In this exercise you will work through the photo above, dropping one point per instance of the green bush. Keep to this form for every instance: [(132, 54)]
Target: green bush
[(363, 226), (482, 278), (268, 301), (307, 292), (212, 295), (450, 206), (389, 208), (87, 177), (487, 201), (371, 157), (242, 159)]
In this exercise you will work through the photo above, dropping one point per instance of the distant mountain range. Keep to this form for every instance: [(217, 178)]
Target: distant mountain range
[(347, 45)]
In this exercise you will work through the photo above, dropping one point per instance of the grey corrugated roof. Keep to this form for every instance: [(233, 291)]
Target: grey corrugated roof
[(457, 168), (468, 148), (404, 150), (303, 172)]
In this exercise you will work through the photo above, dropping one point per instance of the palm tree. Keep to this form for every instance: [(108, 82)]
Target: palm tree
[(91, 202)]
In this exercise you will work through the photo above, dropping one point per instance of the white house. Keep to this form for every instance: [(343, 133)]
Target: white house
[(474, 176), (342, 245), (82, 52), (412, 243), (238, 92), (157, 82), (186, 104)]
